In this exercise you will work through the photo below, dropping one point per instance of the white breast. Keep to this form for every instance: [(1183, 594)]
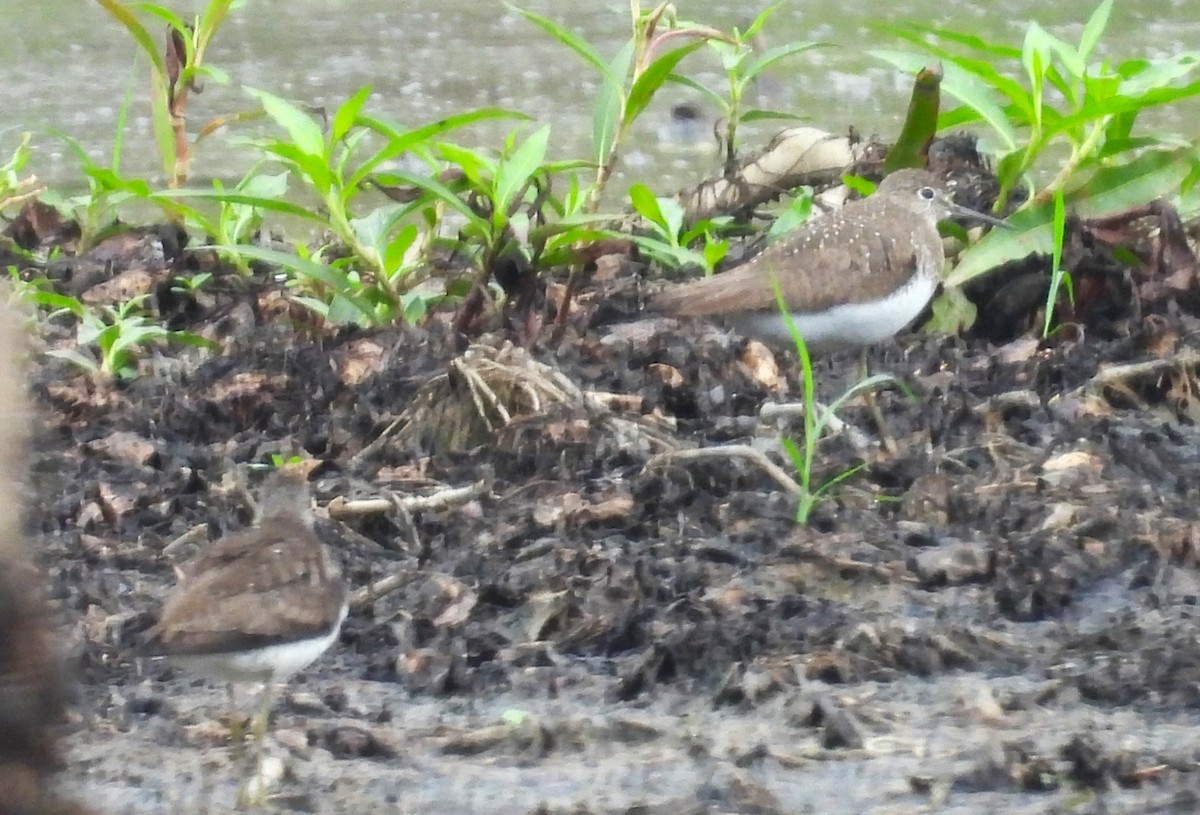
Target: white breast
[(271, 663), (847, 324)]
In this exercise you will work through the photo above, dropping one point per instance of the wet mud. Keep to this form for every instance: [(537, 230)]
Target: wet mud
[(558, 610)]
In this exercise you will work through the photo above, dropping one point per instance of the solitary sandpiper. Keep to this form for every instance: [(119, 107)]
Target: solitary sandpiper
[(258, 605), (851, 278)]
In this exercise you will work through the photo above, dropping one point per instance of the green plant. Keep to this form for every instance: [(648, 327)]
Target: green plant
[(670, 244), (96, 210), (1097, 103), (743, 64), (629, 80), (31, 291), (496, 197), (374, 283), (1064, 99), (192, 283), (238, 220), (175, 69), (816, 420), (1058, 275), (796, 213), (13, 188), (239, 214), (111, 339)]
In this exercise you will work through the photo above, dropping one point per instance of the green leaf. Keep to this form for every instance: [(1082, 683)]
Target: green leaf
[(667, 254), (336, 281), (300, 127), (415, 308), (651, 79), (515, 171), (121, 13), (341, 310), (347, 114), (714, 252), (479, 169), (130, 337), (1068, 89), (267, 202), (442, 193), (1120, 104), (313, 168), (1108, 190), (673, 215), (1033, 57), (858, 184), (1059, 224), (1094, 28), (717, 100), (798, 212), (953, 313), (371, 229), (76, 358), (608, 111), (1142, 76), (646, 204), (401, 141), (396, 249), (1042, 42), (774, 55), (1111, 189), (916, 35), (210, 20), (761, 115), (209, 72), (566, 166), (871, 383), (56, 300), (732, 55), (758, 22), (261, 185), (569, 39), (161, 122), (165, 14)]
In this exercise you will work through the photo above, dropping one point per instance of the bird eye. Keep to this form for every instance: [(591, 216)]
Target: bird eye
[(928, 193)]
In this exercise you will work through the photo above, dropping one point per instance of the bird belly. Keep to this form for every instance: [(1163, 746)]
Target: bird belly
[(847, 324), (270, 663)]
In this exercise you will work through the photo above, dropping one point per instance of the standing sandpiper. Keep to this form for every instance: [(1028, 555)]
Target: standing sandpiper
[(258, 605), (851, 278)]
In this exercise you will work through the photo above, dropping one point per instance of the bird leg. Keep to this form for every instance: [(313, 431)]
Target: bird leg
[(885, 435), (237, 733), (253, 791)]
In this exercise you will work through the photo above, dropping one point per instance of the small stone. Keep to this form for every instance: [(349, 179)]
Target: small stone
[(268, 777), (295, 741), (306, 702)]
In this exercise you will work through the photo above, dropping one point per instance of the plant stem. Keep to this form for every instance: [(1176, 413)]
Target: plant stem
[(1087, 148)]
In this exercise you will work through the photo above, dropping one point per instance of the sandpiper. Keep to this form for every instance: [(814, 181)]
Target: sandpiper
[(851, 278), (257, 605)]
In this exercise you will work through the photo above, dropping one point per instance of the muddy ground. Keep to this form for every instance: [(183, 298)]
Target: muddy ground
[(558, 614)]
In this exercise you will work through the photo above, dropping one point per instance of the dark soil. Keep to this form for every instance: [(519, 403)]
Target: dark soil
[(999, 617)]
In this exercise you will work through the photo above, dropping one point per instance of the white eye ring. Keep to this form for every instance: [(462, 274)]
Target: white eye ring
[(928, 193)]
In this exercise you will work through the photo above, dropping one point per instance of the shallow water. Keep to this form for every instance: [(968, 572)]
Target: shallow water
[(67, 65)]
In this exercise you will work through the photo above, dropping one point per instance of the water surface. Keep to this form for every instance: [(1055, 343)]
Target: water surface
[(67, 65)]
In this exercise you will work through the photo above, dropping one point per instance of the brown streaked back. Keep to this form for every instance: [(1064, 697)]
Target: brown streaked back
[(272, 584), (862, 252)]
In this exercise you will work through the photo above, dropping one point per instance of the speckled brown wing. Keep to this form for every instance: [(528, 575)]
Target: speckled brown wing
[(848, 258), (272, 584)]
